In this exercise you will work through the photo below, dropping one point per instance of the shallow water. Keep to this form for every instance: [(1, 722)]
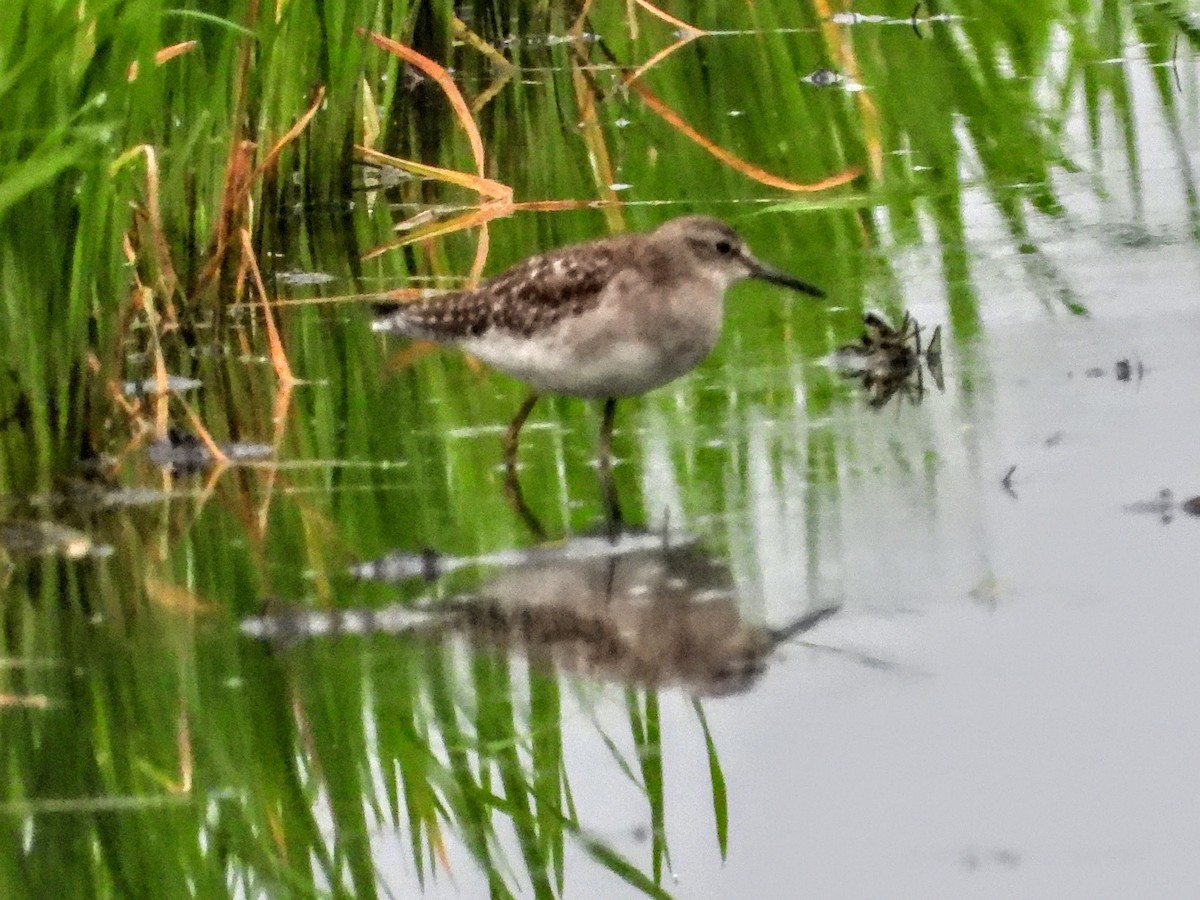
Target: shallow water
[(1027, 736), (999, 708)]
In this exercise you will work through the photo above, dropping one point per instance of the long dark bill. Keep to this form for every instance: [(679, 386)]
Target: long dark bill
[(774, 276)]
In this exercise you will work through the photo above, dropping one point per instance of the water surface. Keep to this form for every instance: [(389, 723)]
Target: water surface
[(1000, 705)]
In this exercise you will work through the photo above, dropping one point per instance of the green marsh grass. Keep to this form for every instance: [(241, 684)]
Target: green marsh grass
[(174, 758)]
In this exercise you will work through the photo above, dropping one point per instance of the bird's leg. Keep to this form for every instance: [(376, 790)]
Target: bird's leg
[(606, 432), (612, 503), (516, 499), (511, 437), (512, 484)]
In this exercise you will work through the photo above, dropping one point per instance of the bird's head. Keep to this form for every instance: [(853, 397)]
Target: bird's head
[(723, 253)]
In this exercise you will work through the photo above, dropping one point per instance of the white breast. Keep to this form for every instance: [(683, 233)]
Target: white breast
[(632, 341)]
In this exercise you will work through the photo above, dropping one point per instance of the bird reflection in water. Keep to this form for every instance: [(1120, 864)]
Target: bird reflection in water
[(639, 609)]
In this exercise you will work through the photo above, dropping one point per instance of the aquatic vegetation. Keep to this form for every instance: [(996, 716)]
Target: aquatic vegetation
[(199, 201)]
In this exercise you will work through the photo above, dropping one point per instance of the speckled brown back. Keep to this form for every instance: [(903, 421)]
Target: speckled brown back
[(530, 296)]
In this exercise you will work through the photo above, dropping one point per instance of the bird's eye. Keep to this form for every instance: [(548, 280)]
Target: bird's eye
[(724, 248)]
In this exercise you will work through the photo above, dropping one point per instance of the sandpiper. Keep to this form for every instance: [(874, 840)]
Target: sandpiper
[(608, 318)]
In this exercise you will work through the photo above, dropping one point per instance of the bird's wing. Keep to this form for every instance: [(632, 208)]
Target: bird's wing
[(531, 295)]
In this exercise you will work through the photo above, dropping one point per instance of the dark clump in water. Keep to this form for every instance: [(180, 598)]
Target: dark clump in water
[(888, 360)]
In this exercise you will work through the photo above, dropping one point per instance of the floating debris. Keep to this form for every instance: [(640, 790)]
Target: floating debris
[(402, 565), (1007, 481), (377, 177), (182, 452), (247, 451), (832, 78), (824, 78), (535, 41), (91, 494), (126, 497), (635, 609), (888, 360), (973, 858), (46, 538), (1123, 370), (854, 18), (149, 387), (1165, 507), (296, 278), (1127, 371)]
